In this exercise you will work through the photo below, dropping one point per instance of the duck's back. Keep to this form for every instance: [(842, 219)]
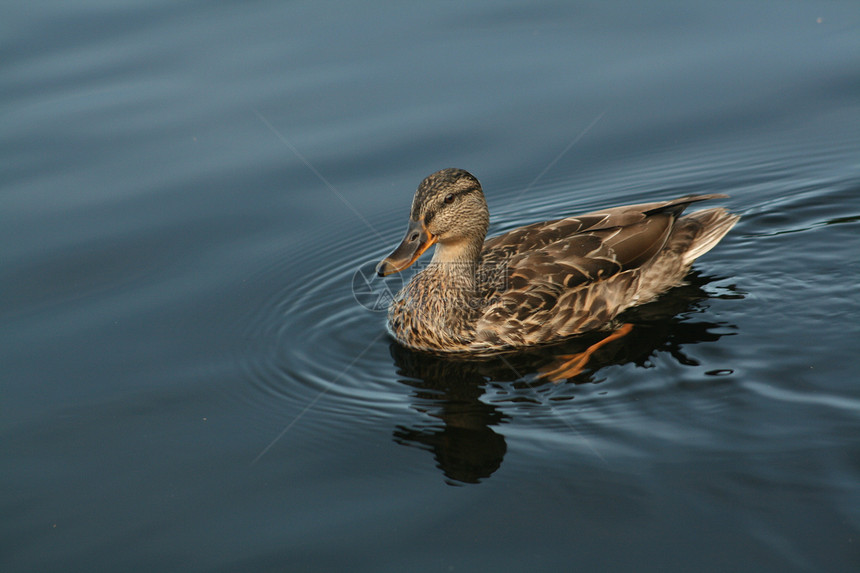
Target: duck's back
[(559, 278)]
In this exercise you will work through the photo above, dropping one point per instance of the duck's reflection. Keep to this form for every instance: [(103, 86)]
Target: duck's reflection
[(447, 391), (461, 438)]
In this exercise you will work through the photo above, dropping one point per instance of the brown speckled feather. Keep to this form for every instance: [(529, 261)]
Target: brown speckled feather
[(573, 275)]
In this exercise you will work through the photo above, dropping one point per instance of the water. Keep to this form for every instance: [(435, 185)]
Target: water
[(189, 383)]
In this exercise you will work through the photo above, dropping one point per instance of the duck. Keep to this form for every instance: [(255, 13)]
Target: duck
[(541, 283)]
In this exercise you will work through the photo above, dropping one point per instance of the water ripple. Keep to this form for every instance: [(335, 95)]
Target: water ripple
[(773, 392), (313, 347)]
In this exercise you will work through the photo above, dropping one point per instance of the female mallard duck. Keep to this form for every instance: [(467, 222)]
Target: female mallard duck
[(539, 283)]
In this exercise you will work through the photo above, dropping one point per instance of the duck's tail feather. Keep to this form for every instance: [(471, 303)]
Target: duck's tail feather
[(713, 225)]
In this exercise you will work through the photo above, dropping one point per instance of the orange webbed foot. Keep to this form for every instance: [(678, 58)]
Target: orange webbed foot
[(573, 364)]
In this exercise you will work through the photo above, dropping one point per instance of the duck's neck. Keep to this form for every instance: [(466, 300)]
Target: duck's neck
[(458, 261)]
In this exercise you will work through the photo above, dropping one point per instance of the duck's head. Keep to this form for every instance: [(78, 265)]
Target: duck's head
[(448, 208)]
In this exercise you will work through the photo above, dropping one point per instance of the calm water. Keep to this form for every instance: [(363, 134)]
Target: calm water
[(190, 384)]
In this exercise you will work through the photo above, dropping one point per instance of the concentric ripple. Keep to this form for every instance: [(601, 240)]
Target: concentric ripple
[(313, 339), (319, 361), (319, 340)]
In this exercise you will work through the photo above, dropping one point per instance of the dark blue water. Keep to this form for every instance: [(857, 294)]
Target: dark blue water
[(189, 382)]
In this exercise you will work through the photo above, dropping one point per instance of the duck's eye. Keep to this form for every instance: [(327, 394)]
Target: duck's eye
[(449, 198)]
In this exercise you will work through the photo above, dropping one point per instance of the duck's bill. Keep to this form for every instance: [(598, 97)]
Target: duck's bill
[(416, 241)]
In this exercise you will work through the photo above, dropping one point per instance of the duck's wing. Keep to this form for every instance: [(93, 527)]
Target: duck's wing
[(559, 277)]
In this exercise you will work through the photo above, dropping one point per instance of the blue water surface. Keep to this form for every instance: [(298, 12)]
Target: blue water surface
[(191, 383)]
